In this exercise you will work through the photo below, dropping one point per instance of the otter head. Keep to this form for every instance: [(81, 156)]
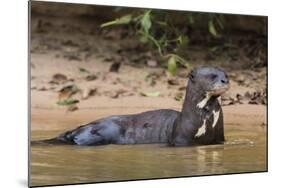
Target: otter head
[(207, 82)]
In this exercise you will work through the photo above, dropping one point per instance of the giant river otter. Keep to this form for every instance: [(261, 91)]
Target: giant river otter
[(200, 121)]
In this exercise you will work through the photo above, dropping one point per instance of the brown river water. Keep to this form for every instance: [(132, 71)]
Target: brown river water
[(244, 151)]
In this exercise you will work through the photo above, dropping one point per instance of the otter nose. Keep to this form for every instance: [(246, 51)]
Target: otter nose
[(224, 81)]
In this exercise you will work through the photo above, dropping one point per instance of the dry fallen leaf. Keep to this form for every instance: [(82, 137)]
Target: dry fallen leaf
[(182, 88), (88, 92), (58, 79), (42, 88), (151, 94), (115, 67), (172, 81), (72, 108), (91, 77), (67, 91), (116, 94)]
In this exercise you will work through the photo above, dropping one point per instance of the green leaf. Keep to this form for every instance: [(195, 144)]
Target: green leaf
[(151, 94), (143, 39), (178, 97), (220, 23), (190, 19), (212, 28), (153, 40), (124, 19), (146, 22), (180, 39), (119, 21), (172, 65), (81, 69), (67, 102), (213, 49), (162, 23)]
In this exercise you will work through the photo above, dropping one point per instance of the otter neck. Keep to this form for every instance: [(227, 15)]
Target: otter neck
[(197, 103), (197, 107)]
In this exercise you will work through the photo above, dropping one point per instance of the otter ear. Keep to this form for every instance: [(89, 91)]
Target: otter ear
[(191, 76)]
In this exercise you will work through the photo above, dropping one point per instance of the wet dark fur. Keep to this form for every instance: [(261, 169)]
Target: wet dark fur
[(159, 126)]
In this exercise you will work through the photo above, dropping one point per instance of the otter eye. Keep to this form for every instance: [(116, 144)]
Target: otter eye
[(213, 76)]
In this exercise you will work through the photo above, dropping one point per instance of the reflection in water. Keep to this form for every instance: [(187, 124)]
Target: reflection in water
[(210, 159), (244, 151), (201, 159)]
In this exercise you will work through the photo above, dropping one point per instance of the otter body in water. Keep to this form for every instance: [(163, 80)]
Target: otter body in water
[(200, 121)]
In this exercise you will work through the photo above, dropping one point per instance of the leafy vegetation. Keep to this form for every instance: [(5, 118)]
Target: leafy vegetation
[(215, 22), (159, 30)]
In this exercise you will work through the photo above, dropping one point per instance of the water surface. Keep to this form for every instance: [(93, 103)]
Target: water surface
[(244, 151)]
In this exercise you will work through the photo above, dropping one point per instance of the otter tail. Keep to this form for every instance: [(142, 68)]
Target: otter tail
[(66, 138), (52, 141)]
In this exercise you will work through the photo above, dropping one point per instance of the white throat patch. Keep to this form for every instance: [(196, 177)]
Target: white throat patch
[(203, 103), (202, 130), (216, 117)]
